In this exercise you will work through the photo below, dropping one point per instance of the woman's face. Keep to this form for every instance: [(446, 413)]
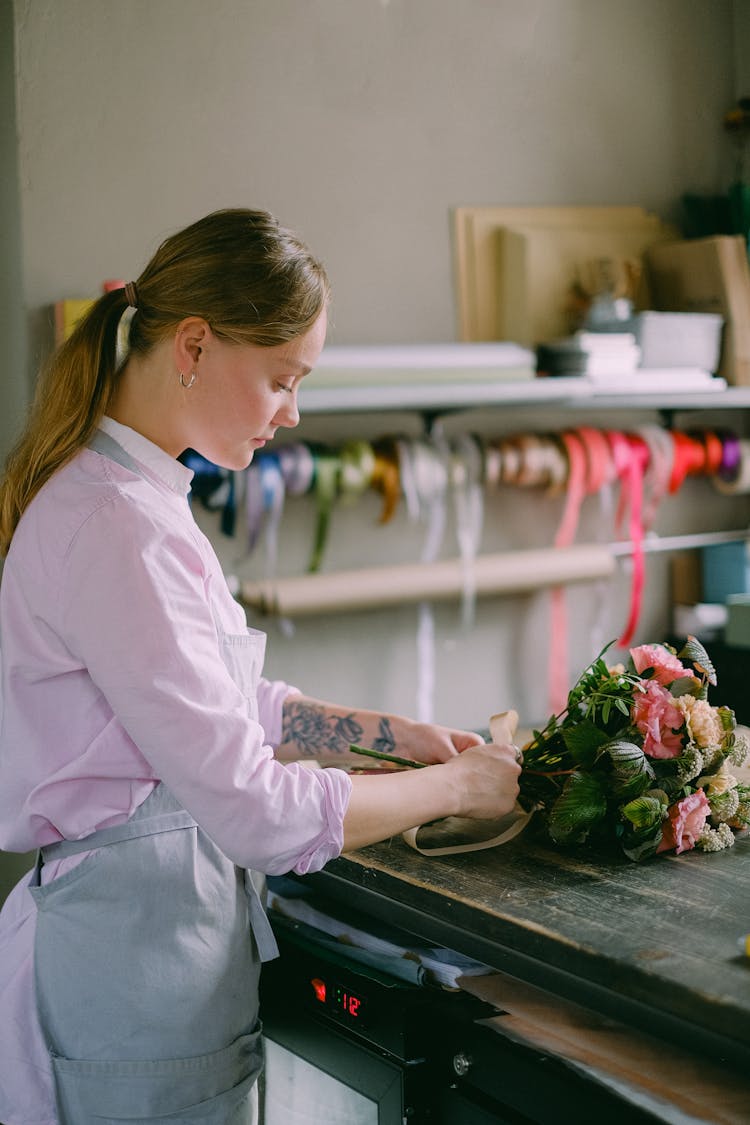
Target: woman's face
[(243, 393)]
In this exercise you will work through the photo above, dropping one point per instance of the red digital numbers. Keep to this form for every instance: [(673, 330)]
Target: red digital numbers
[(336, 996), (350, 1004)]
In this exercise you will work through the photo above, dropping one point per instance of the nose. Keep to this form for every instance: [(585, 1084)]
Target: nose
[(288, 413)]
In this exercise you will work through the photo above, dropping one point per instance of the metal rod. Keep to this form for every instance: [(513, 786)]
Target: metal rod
[(687, 542)]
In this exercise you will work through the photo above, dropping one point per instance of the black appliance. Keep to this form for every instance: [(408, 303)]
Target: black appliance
[(347, 1044)]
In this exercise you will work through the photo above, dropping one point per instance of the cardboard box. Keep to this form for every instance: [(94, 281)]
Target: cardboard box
[(709, 275)]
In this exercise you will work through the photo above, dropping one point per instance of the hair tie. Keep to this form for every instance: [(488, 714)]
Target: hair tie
[(131, 294)]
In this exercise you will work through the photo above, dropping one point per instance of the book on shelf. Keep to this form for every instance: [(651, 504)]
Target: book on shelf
[(655, 380), (710, 275), (407, 364)]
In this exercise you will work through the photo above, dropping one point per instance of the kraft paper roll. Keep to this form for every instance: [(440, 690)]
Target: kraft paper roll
[(375, 587)]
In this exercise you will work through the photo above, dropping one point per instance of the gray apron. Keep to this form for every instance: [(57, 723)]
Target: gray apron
[(147, 959)]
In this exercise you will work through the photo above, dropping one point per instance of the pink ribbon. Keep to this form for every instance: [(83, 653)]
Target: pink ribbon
[(630, 454)]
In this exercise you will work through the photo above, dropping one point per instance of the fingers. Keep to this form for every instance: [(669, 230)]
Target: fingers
[(463, 739)]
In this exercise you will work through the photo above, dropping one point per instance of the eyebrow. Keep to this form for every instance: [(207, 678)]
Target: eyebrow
[(301, 368)]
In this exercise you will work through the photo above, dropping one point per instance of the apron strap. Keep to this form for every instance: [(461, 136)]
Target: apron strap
[(130, 830), (108, 447)]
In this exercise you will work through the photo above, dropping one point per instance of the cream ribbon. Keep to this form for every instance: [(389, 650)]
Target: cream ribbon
[(466, 480), (424, 480), (502, 729)]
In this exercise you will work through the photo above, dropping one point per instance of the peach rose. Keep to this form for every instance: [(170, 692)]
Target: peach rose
[(667, 667), (659, 720), (685, 822)]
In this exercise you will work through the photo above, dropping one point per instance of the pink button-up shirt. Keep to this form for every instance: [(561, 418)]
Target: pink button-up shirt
[(117, 635)]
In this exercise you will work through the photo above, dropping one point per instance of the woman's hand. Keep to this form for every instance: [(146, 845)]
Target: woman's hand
[(486, 780), (428, 742), (481, 782)]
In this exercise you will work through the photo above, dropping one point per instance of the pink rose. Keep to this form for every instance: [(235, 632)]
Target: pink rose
[(667, 667), (659, 720), (685, 822)]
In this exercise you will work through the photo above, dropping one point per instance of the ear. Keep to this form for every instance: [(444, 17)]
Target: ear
[(190, 339)]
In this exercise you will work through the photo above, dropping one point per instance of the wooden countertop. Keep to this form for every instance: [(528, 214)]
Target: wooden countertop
[(652, 944)]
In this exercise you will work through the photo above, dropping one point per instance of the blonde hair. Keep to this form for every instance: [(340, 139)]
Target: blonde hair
[(252, 280)]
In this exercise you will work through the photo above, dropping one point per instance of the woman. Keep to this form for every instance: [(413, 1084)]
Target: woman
[(142, 751)]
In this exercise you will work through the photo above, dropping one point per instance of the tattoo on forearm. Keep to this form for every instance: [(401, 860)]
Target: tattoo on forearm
[(385, 742), (307, 727)]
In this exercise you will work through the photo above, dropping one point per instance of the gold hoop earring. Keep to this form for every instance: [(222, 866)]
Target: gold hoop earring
[(190, 382)]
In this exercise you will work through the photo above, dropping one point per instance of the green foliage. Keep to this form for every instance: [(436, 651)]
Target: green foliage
[(644, 812), (642, 844), (579, 807), (632, 772), (587, 771), (695, 654), (583, 742)]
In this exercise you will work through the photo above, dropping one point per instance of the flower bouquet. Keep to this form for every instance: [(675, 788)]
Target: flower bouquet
[(639, 757)]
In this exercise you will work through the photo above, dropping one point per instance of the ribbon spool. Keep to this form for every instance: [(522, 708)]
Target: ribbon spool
[(424, 472), (264, 493), (466, 480), (297, 468), (735, 481), (386, 476), (658, 470), (558, 652), (326, 486), (357, 459), (731, 456), (630, 454)]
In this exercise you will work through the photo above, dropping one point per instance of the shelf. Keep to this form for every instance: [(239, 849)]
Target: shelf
[(568, 393)]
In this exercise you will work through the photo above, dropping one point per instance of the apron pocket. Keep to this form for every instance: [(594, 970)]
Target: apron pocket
[(204, 1089)]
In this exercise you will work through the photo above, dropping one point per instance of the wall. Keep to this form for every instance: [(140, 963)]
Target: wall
[(361, 123), (14, 388)]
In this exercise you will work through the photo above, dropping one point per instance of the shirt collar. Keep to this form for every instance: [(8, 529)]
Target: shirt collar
[(170, 472)]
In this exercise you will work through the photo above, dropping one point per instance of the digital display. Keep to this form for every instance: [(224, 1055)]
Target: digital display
[(342, 1000)]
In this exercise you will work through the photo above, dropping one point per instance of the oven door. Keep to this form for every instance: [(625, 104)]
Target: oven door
[(316, 1076)]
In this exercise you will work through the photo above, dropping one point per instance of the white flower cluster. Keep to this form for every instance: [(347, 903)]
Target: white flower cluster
[(715, 839), (690, 764), (739, 751), (724, 805)]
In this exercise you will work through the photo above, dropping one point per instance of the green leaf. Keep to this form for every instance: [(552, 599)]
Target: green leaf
[(579, 807), (583, 741), (727, 718), (643, 844), (686, 685), (699, 658), (644, 812), (670, 783), (631, 770)]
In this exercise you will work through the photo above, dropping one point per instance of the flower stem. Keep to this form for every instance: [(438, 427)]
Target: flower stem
[(385, 757)]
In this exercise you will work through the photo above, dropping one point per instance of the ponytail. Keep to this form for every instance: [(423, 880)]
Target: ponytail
[(71, 398), (253, 282)]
